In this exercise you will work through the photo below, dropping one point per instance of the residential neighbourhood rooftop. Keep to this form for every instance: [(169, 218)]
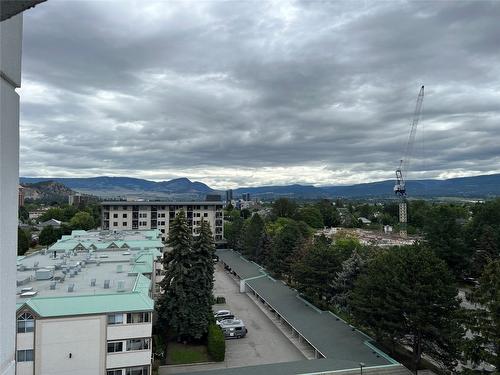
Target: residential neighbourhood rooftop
[(161, 203), (90, 272)]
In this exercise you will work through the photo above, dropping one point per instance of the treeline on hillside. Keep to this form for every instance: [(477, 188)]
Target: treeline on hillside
[(404, 296), (85, 217)]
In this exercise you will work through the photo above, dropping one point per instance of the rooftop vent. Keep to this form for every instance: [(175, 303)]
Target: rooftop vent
[(106, 284), (92, 282), (53, 285), (119, 268), (29, 294), (121, 286), (71, 288)]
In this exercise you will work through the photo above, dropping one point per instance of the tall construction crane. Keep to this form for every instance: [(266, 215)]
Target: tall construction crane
[(402, 171)]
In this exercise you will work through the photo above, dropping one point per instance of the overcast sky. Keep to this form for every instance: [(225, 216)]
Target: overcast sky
[(247, 93)]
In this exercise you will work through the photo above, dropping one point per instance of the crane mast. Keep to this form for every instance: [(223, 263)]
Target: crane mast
[(402, 171)]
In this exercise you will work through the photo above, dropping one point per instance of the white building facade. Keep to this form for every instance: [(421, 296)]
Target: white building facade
[(159, 215), (85, 305), (10, 79)]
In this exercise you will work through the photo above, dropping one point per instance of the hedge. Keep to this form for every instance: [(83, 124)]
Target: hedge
[(216, 344)]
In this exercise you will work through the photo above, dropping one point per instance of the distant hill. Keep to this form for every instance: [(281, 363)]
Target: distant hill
[(47, 191), (126, 186), (182, 188)]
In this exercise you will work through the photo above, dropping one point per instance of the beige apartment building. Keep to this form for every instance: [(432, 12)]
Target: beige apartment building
[(158, 215)]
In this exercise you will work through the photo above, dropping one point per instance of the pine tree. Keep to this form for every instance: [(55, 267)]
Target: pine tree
[(203, 272), (252, 237), (407, 294), (184, 307), (484, 320), (343, 284)]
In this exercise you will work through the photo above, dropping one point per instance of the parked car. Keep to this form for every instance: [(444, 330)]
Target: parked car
[(223, 315), (233, 328)]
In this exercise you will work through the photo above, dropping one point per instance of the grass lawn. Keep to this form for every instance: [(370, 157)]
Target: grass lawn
[(178, 353)]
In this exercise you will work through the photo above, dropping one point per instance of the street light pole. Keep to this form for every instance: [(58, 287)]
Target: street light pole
[(361, 365)]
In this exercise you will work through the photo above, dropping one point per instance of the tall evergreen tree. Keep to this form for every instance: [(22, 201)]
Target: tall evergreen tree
[(23, 241), (285, 243), (343, 283), (408, 294), (252, 237), (184, 306), (484, 319), (314, 271)]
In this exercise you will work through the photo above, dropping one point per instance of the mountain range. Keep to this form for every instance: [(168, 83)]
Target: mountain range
[(483, 186)]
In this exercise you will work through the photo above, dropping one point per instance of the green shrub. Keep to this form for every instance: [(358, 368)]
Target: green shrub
[(216, 344), (219, 300)]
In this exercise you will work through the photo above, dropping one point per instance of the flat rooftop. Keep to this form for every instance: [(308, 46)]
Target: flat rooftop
[(50, 277), (161, 203), (342, 345), (95, 269)]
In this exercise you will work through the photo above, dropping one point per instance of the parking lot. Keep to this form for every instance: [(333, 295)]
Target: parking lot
[(264, 342)]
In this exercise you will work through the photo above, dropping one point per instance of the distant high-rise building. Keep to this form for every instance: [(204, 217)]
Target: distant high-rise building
[(246, 197), (229, 195), (21, 196), (213, 198), (158, 215), (75, 199)]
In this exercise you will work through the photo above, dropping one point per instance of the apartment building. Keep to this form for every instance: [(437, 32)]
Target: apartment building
[(159, 215), (84, 306)]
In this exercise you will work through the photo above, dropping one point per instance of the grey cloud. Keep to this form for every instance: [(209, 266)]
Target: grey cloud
[(201, 88)]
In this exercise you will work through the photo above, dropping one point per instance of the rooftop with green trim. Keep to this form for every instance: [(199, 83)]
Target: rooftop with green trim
[(86, 279), (343, 346)]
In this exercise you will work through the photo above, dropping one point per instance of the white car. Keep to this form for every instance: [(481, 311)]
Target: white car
[(223, 315)]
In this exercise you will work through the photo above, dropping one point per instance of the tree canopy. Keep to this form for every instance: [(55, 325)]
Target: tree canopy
[(408, 294)]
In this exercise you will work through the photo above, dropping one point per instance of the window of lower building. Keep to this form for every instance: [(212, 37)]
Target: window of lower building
[(114, 372), (142, 370), (115, 223), (142, 317), (25, 355), (25, 323), (137, 344), (116, 346), (124, 223), (115, 216), (115, 319)]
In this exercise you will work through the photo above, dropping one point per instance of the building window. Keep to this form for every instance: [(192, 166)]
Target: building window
[(142, 317), (137, 344), (114, 372), (124, 216), (25, 355), (124, 223), (115, 216), (205, 214), (115, 319), (115, 223), (143, 370), (116, 346), (25, 323)]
